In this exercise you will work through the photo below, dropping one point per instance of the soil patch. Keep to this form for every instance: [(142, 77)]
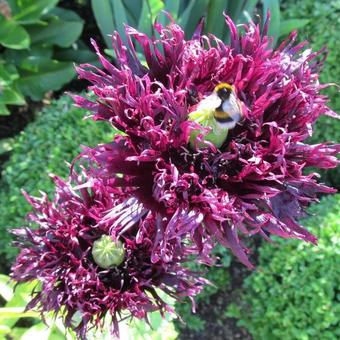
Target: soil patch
[(217, 325)]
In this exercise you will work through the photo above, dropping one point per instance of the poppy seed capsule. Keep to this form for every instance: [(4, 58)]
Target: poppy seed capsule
[(108, 253)]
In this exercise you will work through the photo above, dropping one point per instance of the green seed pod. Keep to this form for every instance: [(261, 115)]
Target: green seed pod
[(108, 253)]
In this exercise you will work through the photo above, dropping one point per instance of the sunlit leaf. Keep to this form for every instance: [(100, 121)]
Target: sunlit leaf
[(17, 312), (29, 11), (6, 287), (39, 331), (10, 96), (12, 35)]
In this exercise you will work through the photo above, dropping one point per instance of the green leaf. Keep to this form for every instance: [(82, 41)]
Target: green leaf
[(60, 327), (14, 308), (248, 10), (184, 18), (133, 10), (8, 73), (172, 7), (9, 94), (102, 11), (6, 146), (274, 7), (17, 312), (56, 334), (35, 51), (63, 29), (51, 75), (78, 53), (155, 7), (17, 332), (29, 11), (234, 9), (5, 330), (287, 26), (12, 35)]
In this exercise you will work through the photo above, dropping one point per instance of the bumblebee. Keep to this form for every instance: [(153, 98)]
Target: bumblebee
[(220, 111)]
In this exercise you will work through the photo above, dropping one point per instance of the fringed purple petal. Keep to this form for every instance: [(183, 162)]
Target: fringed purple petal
[(58, 254)]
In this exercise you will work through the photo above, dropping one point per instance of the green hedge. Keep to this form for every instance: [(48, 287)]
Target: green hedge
[(322, 30), (44, 147), (294, 293)]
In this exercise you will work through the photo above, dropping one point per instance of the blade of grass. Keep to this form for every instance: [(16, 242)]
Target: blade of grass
[(150, 9), (215, 21), (192, 14), (172, 7), (274, 7), (120, 18), (102, 11), (234, 9)]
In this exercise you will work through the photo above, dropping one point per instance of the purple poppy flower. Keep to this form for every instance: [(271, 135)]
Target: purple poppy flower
[(253, 183), (66, 254)]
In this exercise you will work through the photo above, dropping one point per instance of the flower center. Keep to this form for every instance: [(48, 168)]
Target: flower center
[(108, 253)]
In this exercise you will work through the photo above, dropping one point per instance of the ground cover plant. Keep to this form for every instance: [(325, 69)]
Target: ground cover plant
[(295, 291), (44, 147)]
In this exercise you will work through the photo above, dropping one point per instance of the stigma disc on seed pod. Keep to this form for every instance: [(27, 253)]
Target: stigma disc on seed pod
[(108, 253)]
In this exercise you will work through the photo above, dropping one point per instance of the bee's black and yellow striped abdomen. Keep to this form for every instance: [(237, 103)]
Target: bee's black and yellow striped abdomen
[(222, 116)]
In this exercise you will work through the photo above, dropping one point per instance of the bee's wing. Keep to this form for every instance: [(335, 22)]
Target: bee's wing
[(205, 110), (211, 102), (232, 106)]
